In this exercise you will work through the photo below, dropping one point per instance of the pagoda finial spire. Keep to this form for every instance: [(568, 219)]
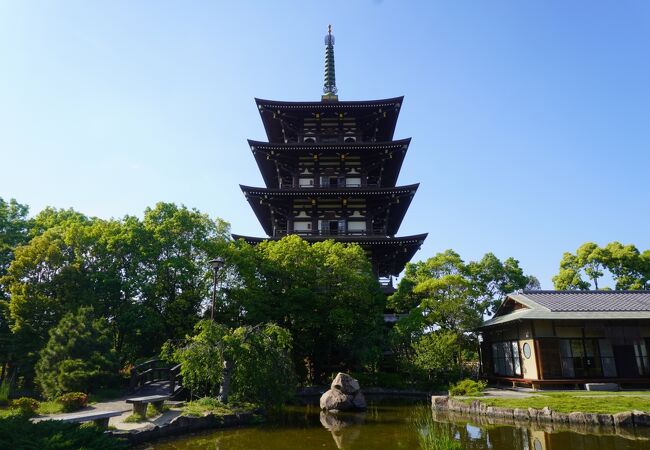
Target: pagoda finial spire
[(329, 87)]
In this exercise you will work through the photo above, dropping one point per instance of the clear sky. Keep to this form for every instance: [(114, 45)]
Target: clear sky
[(530, 120)]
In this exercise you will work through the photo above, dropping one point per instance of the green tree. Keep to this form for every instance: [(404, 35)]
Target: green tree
[(178, 244), (149, 278), (325, 294), (438, 355), (444, 296), (249, 363), (79, 356), (627, 266), (488, 281), (45, 280), (14, 227)]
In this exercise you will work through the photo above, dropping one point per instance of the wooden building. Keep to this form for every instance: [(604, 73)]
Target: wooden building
[(330, 168), (541, 338)]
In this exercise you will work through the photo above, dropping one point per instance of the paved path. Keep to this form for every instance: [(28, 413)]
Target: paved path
[(119, 404), (510, 393)]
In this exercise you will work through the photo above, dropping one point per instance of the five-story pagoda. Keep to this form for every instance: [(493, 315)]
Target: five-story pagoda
[(330, 170)]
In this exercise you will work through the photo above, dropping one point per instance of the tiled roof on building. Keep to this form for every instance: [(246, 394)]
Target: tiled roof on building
[(591, 300), (572, 305)]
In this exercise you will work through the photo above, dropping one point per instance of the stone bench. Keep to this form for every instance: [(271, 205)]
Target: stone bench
[(140, 403), (100, 418)]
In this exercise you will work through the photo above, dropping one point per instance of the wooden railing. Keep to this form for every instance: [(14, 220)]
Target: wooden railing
[(152, 371)]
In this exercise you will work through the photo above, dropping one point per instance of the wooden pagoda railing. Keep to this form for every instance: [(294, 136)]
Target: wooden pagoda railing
[(155, 370)]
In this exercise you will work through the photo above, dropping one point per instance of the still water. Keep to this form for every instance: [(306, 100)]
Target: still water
[(391, 426)]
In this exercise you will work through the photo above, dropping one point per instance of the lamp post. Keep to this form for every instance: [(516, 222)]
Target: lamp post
[(216, 263)]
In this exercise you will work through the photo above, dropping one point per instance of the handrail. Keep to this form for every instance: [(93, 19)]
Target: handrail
[(148, 372)]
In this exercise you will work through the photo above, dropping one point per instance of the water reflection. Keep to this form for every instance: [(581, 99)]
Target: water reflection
[(485, 433), (345, 427), (385, 427)]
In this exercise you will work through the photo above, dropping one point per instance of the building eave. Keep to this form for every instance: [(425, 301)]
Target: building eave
[(263, 199), (265, 155), (271, 111)]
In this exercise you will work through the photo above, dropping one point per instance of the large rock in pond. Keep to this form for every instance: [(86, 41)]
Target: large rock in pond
[(345, 383), (344, 395), (335, 400)]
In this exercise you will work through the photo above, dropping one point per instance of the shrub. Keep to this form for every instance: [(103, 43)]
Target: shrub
[(5, 389), (260, 369), (436, 354), (73, 401), (25, 405), (79, 355), (468, 387), (18, 433)]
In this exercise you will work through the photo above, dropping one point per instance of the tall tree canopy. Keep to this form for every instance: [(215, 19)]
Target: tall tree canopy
[(625, 264), (148, 278), (14, 231), (444, 299), (325, 294)]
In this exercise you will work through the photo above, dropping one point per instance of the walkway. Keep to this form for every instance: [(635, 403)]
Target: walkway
[(119, 404)]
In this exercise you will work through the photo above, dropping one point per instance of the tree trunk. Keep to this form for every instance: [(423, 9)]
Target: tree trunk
[(224, 390)]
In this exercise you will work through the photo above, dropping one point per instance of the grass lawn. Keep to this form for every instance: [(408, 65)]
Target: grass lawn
[(44, 408), (578, 401)]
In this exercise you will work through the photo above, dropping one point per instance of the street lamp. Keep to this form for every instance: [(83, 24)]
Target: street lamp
[(216, 263)]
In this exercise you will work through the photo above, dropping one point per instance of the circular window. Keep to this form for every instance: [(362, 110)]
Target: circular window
[(527, 350)]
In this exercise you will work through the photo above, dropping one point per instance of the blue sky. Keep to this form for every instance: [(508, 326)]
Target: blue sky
[(530, 120)]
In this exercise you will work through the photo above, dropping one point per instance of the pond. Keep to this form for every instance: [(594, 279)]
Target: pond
[(391, 426)]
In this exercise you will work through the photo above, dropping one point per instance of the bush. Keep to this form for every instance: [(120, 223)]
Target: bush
[(25, 405), (468, 387), (260, 366), (5, 389), (436, 354), (18, 433), (73, 401), (79, 355)]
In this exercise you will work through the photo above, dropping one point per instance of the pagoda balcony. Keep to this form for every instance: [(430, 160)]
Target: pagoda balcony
[(319, 233), (289, 185)]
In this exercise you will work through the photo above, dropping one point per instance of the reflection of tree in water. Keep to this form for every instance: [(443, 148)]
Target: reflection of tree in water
[(345, 427), (472, 437), (481, 433)]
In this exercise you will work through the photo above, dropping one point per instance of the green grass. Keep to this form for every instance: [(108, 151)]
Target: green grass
[(151, 413), (208, 405), (433, 435), (50, 408), (579, 401), (135, 418), (7, 412)]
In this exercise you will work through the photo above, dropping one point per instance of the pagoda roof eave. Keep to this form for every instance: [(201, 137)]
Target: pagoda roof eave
[(264, 201), (330, 192), (347, 147), (330, 105), (415, 239), (262, 152), (270, 110)]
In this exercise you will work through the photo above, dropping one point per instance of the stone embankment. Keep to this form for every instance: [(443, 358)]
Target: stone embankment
[(545, 415), (183, 425)]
